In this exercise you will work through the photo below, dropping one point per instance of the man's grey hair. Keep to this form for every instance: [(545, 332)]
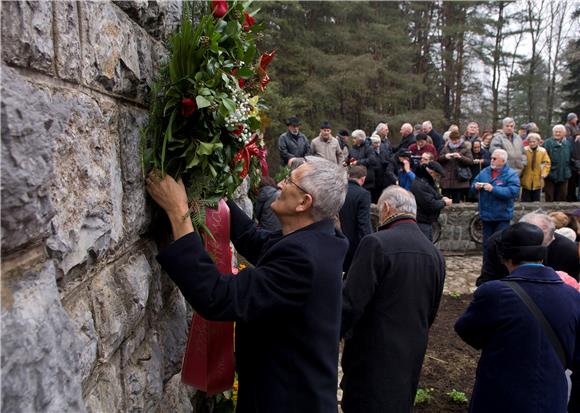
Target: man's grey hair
[(407, 126), (398, 198), (327, 183), (561, 127), (359, 134), (544, 222), (507, 121), (501, 153), (380, 126)]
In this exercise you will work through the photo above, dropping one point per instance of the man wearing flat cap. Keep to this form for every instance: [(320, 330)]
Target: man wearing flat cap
[(523, 360), (326, 146), (293, 144)]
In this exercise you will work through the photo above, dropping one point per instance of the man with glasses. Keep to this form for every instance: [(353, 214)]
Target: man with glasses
[(286, 308), (499, 187)]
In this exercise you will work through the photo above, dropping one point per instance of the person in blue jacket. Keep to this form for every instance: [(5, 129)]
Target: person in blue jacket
[(498, 186), (519, 369)]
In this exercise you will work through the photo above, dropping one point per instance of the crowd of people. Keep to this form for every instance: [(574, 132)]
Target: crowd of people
[(321, 274), (550, 165)]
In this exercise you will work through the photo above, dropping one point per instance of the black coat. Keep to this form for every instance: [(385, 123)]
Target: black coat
[(287, 310), (362, 155), (562, 255), (291, 146), (390, 300), (429, 200), (267, 219), (355, 218)]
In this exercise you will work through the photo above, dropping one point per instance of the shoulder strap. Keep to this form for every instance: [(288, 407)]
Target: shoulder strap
[(539, 315)]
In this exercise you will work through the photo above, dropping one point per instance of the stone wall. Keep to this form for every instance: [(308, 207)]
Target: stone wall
[(89, 323), (455, 220)]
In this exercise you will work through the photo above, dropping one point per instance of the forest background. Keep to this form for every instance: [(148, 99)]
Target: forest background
[(358, 63)]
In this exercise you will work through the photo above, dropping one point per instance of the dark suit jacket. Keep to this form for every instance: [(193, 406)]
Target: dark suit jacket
[(562, 255), (355, 218), (391, 297), (519, 370), (287, 310)]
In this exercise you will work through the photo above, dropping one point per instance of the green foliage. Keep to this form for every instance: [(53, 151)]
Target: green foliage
[(423, 396), (455, 294), (457, 397), (205, 105)]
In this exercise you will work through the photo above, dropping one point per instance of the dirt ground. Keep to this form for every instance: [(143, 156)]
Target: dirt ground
[(449, 363)]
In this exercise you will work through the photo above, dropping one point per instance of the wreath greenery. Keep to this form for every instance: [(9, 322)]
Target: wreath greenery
[(204, 120)]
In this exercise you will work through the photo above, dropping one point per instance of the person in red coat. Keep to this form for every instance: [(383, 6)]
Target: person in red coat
[(421, 146)]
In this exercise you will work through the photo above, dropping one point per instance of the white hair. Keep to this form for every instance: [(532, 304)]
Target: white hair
[(398, 198), (501, 153), (327, 183), (359, 134), (507, 121), (381, 126), (542, 221), (560, 127), (375, 138), (567, 232)]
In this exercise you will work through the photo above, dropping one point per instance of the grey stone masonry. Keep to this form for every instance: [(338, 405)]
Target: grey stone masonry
[(89, 321)]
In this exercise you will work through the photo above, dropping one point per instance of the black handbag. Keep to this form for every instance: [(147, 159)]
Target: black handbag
[(463, 173)]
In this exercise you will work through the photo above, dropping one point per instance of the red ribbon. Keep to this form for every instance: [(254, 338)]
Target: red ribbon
[(252, 149)]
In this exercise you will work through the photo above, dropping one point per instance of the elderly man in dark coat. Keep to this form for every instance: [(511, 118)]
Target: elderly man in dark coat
[(521, 368), (286, 308), (391, 297), (355, 214)]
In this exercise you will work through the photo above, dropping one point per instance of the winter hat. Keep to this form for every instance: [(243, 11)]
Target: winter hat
[(522, 242)]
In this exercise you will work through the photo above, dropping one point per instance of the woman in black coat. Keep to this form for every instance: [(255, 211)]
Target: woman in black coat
[(429, 200)]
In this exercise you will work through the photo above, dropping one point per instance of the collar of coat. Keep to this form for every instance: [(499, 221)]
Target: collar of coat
[(397, 219), (536, 274)]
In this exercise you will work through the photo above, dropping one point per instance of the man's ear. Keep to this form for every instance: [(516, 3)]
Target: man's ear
[(305, 204)]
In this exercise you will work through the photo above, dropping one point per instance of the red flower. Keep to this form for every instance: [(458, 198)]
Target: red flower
[(249, 21), (241, 81), (266, 58), (188, 106), (265, 80), (219, 8), (239, 129)]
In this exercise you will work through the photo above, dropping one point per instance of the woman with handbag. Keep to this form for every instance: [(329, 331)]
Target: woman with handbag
[(456, 158)]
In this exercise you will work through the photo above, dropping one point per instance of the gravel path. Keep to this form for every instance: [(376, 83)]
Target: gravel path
[(462, 271)]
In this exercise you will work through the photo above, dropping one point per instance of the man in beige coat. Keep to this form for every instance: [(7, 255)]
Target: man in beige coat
[(326, 146)]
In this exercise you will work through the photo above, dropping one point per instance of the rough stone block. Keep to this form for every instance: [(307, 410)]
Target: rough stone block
[(30, 120), (27, 35), (86, 190), (173, 332), (68, 42), (106, 395), (40, 367), (158, 18), (136, 214), (78, 308), (143, 377), (116, 51), (176, 397), (120, 293)]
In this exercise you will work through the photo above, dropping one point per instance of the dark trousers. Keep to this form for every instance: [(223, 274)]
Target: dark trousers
[(489, 228), (572, 186), (529, 195), (426, 229), (457, 195), (555, 191)]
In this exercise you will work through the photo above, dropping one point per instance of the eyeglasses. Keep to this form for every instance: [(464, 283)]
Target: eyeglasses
[(288, 180)]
